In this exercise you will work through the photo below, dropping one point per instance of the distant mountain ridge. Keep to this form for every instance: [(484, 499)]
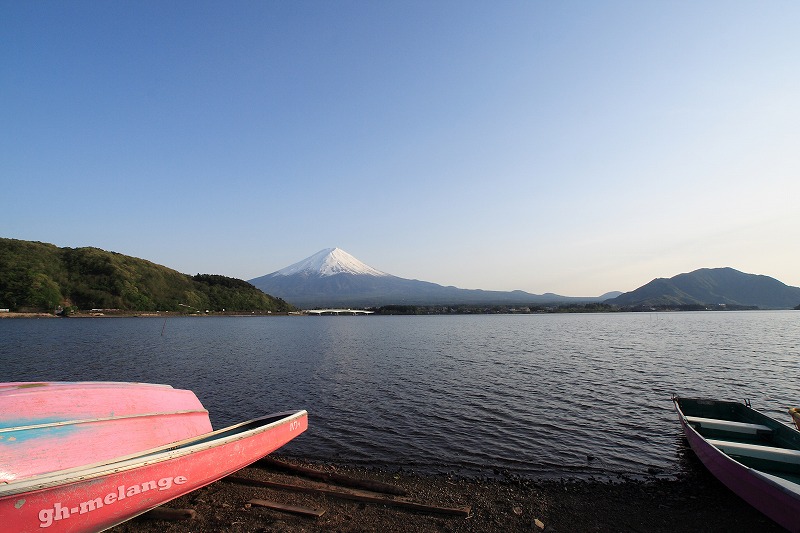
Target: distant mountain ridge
[(35, 275), (712, 287), (334, 278)]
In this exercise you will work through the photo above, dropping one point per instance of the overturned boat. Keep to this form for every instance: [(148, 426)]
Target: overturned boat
[(48, 426), (86, 456)]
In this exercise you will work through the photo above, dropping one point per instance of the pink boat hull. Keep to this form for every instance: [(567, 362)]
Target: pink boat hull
[(779, 503), (45, 427), (58, 401), (100, 496)]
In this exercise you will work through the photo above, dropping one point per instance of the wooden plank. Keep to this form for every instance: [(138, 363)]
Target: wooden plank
[(347, 481), (294, 509), (353, 494)]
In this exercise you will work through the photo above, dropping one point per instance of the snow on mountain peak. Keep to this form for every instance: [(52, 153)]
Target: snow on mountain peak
[(329, 262)]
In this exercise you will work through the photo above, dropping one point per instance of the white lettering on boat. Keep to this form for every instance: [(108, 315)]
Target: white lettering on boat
[(61, 512)]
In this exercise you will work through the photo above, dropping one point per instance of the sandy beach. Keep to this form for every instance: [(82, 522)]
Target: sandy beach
[(691, 503)]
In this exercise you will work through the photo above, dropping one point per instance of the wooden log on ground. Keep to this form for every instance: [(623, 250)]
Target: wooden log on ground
[(332, 477), (353, 494), (294, 509), (167, 513)]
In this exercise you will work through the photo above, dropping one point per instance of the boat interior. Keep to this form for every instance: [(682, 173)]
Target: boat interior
[(746, 435), (229, 431)]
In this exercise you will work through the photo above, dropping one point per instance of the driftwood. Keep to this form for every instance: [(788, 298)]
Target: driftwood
[(353, 494), (295, 509), (339, 479), (166, 513)]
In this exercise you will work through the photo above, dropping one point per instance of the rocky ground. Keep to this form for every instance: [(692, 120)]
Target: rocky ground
[(694, 502)]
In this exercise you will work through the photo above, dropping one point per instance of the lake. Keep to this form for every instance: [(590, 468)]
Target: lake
[(529, 395)]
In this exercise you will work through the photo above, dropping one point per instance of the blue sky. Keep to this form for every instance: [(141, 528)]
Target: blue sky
[(568, 147)]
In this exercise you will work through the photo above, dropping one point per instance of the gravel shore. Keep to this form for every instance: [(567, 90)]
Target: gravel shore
[(694, 502)]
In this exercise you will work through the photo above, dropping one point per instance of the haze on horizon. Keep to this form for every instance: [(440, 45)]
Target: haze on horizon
[(569, 147)]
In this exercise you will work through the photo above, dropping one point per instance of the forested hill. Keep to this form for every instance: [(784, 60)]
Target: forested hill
[(711, 288), (36, 276)]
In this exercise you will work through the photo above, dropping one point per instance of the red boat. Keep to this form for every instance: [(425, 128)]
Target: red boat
[(101, 495), (50, 426)]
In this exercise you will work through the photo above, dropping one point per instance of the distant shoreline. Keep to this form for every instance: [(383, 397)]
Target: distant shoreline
[(138, 314), (7, 314), (422, 312)]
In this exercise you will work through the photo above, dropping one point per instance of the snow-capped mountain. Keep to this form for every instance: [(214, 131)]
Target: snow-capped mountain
[(329, 262), (334, 278)]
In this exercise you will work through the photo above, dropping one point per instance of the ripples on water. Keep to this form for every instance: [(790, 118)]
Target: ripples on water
[(534, 395)]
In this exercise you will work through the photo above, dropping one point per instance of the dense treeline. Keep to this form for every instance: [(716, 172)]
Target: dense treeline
[(592, 307), (37, 276), (488, 310)]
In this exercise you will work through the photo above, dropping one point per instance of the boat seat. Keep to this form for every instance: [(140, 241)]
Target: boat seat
[(728, 425), (770, 453)]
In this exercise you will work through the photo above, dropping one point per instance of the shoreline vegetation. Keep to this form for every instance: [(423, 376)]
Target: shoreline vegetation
[(543, 309), (37, 277), (115, 313), (267, 497), (388, 310)]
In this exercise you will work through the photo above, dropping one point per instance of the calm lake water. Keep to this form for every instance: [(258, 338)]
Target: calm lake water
[(531, 395)]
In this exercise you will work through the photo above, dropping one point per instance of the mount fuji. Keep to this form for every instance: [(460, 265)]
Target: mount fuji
[(334, 278)]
